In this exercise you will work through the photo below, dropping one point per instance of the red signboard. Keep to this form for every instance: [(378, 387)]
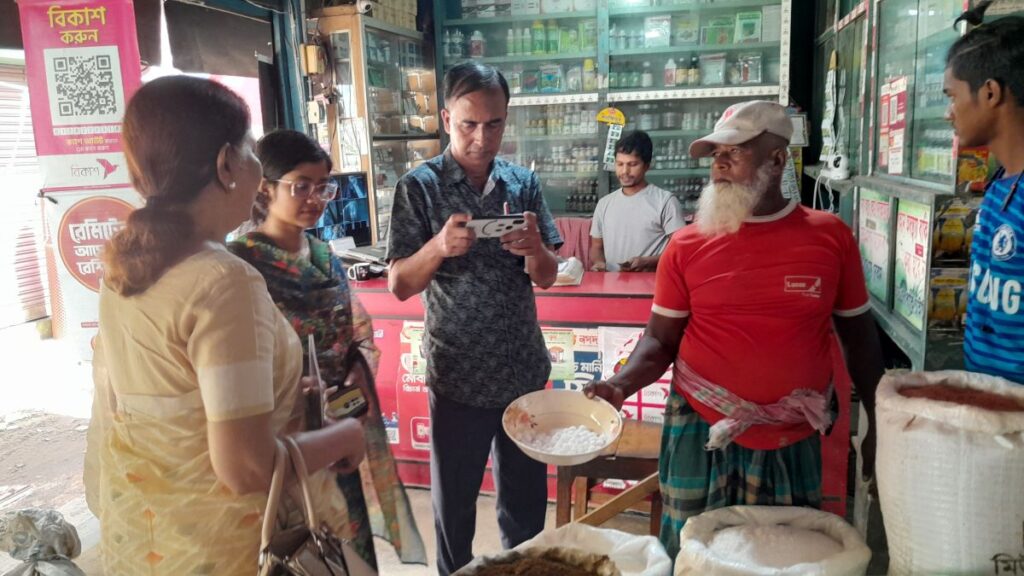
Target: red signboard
[(82, 62), (84, 230)]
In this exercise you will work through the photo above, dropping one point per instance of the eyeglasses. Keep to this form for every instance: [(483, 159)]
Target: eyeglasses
[(325, 191)]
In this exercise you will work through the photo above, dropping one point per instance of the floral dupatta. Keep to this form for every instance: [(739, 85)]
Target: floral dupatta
[(314, 296)]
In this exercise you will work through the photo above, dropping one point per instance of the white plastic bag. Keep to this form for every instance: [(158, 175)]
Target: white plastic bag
[(696, 558), (950, 477), (633, 555)]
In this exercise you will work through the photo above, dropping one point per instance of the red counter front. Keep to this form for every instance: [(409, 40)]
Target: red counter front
[(588, 329)]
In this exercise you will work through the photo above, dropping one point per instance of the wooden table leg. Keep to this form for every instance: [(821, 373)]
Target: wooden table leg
[(656, 513), (563, 496), (621, 502), (581, 497)]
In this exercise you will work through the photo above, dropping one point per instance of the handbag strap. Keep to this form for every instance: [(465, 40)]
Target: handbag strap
[(302, 476), (274, 497)]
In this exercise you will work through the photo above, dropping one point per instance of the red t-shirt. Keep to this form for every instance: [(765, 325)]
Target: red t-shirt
[(760, 305)]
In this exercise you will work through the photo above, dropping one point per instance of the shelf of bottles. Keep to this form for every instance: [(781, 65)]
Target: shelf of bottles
[(688, 45), (673, 126), (914, 139), (543, 47), (672, 66)]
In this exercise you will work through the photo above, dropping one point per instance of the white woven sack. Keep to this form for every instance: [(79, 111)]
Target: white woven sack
[(633, 555), (695, 558), (950, 477)]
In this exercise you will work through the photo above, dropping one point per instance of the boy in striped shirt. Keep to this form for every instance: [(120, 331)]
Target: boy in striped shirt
[(984, 81)]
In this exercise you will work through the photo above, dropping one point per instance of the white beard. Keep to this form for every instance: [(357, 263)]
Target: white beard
[(724, 206)]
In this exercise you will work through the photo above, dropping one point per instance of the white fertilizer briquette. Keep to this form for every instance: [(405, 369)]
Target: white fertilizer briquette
[(772, 546), (565, 441)]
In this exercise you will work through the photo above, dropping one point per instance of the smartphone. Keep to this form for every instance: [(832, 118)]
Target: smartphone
[(496, 226), (349, 401), (314, 400)]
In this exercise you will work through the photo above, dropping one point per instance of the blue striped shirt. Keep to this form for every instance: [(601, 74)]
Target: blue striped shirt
[(994, 339)]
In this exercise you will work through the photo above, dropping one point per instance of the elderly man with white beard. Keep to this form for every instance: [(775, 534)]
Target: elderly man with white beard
[(745, 305)]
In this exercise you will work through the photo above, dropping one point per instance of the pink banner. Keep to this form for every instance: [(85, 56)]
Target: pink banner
[(82, 61)]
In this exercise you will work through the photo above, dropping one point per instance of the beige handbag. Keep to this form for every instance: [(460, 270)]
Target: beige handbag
[(309, 550)]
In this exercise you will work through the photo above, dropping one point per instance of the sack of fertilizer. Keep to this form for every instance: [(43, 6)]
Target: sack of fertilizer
[(578, 549), (950, 471), (770, 541)]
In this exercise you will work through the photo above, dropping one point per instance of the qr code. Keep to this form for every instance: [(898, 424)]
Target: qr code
[(84, 85)]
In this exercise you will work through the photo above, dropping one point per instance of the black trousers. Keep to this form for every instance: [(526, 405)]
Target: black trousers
[(461, 437)]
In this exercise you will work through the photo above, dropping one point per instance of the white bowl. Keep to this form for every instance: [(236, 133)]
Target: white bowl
[(547, 410)]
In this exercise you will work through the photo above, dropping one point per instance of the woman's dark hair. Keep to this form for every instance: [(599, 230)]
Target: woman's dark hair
[(469, 77), (636, 142), (991, 51), (174, 129), (281, 152)]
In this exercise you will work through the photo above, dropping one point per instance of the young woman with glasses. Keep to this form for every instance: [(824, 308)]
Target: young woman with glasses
[(309, 286)]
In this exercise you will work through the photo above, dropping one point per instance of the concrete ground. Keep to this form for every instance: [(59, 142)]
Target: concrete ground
[(46, 399)]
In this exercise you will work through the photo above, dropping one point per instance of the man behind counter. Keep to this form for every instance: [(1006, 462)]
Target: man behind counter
[(632, 225)]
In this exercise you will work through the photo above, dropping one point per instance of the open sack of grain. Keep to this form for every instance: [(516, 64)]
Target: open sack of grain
[(950, 471), (770, 541), (589, 550)]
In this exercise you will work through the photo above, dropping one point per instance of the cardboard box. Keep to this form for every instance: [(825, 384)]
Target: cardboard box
[(657, 31), (748, 27), (771, 23), (525, 7), (947, 298), (718, 32), (685, 29)]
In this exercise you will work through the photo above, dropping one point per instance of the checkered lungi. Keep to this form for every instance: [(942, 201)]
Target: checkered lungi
[(694, 480)]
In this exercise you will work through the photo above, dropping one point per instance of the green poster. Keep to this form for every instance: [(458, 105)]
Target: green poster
[(875, 232), (560, 347), (412, 360), (913, 233)]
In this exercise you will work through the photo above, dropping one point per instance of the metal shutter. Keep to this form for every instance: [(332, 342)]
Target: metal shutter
[(23, 291)]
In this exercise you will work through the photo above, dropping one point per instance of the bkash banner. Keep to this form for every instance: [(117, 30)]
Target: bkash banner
[(82, 64)]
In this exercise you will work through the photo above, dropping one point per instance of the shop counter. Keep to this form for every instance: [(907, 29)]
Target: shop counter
[(601, 299), (589, 329)]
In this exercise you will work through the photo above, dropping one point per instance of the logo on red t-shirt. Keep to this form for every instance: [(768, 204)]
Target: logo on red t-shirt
[(809, 286)]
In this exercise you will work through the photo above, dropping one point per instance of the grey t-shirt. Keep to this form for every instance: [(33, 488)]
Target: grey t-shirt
[(637, 225), (482, 344)]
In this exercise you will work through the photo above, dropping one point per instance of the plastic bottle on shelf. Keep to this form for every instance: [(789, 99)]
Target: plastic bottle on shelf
[(635, 77), (554, 36), (682, 73), (477, 45), (694, 70), (574, 79), (669, 75), (539, 38), (458, 44), (446, 44), (571, 43), (613, 78), (589, 75), (526, 47), (511, 43), (647, 77)]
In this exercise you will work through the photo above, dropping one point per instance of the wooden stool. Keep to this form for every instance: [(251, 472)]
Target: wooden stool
[(634, 458)]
